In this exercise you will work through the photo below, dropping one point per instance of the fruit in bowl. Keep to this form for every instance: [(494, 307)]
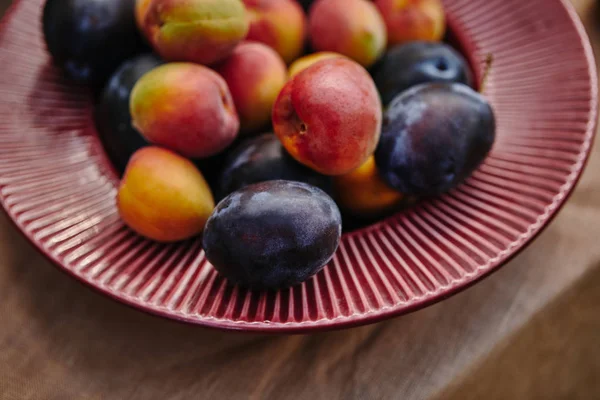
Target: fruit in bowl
[(60, 188), (364, 193), (163, 196), (357, 32), (112, 116), (273, 234), (280, 24), (185, 107), (175, 122), (328, 117), (434, 136), (419, 62), (200, 31), (262, 159), (89, 39), (255, 75), (409, 20)]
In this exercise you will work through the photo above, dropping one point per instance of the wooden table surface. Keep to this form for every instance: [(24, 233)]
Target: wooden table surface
[(529, 331)]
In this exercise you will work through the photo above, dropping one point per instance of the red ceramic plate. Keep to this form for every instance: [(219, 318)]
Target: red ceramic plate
[(58, 186)]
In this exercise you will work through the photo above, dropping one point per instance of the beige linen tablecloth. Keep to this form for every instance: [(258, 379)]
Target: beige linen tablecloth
[(530, 331)]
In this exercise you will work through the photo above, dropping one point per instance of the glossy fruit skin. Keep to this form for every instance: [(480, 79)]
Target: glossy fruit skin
[(328, 117), (273, 235), (353, 28), (261, 159), (163, 196), (185, 107), (255, 74), (434, 136), (198, 31), (280, 24), (414, 63), (409, 20), (89, 39), (112, 117)]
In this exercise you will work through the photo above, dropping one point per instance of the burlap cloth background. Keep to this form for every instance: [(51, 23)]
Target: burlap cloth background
[(531, 331)]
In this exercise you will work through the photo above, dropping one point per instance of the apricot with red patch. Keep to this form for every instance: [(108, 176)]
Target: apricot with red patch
[(328, 117), (255, 74), (353, 28), (409, 20), (185, 107), (280, 24)]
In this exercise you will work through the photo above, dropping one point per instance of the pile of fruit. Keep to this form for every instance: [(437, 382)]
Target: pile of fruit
[(283, 111)]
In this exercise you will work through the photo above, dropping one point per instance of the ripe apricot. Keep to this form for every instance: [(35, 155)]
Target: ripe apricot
[(163, 196)]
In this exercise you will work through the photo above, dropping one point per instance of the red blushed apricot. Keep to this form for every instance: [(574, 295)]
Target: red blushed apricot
[(353, 28), (409, 20), (328, 117), (185, 107), (163, 196), (255, 74), (280, 24), (302, 63), (364, 193), (200, 31)]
